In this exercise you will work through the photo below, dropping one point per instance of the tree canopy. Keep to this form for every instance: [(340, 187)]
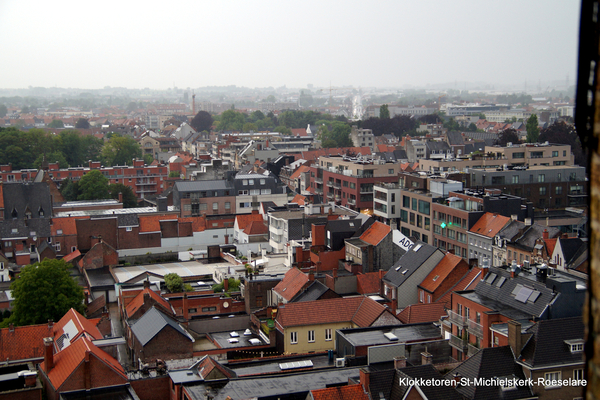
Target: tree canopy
[(82, 123), (533, 129), (202, 121), (56, 123), (335, 134), (3, 110), (509, 135), (384, 112), (129, 199), (120, 150), (93, 186), (175, 283), (43, 291), (563, 133)]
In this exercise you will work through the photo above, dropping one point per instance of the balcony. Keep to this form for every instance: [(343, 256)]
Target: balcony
[(319, 190), (330, 195), (337, 185), (146, 191), (318, 180), (351, 202), (456, 319), (276, 231), (329, 183), (140, 183), (458, 343), (338, 197), (471, 349), (476, 329)]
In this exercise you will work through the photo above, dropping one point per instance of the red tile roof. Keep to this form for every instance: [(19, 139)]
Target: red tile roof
[(422, 312), (349, 392), (376, 233), (138, 301), (296, 173), (384, 148), (293, 281), (368, 283), (23, 342), (256, 227), (360, 310), (489, 224), (65, 224), (151, 223), (299, 199), (550, 244), (71, 256), (468, 282), (70, 359), (299, 132), (440, 272), (244, 219), (81, 323), (198, 223)]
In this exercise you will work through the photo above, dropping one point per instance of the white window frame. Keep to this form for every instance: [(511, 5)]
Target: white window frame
[(328, 335), (552, 376), (578, 374), (294, 337), (311, 336)]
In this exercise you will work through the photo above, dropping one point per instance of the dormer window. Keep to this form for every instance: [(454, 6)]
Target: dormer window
[(575, 345), (14, 213)]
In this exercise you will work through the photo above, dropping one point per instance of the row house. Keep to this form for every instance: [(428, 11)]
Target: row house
[(349, 181), (504, 294), (154, 146), (481, 236), (374, 249)]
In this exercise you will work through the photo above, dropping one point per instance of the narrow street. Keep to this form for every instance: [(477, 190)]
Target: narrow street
[(117, 331)]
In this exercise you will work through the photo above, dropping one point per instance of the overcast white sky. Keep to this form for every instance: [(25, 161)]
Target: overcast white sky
[(161, 44)]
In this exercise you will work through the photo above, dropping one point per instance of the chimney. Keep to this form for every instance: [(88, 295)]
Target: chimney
[(226, 284), (311, 275), (399, 362), (146, 298), (49, 353), (364, 378), (30, 378), (485, 268), (11, 327), (426, 358), (394, 306), (87, 374), (545, 234), (515, 341), (147, 283), (120, 197), (50, 324), (334, 273), (381, 274), (185, 306)]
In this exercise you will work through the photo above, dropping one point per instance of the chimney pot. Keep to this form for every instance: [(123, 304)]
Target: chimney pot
[(49, 353), (399, 362)]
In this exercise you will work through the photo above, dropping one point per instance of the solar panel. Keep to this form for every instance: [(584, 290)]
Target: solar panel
[(517, 289), (533, 297), (491, 278), (500, 282), (524, 294)]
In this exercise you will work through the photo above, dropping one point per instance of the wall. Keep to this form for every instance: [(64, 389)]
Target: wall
[(152, 388), (168, 344), (320, 344)]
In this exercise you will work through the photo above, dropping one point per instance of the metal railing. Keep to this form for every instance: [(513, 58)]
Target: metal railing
[(458, 343), (456, 319), (476, 329)]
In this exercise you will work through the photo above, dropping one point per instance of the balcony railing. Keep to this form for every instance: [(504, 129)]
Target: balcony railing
[(319, 190), (330, 183), (351, 201), (471, 349), (475, 328), (337, 185), (330, 195), (276, 231), (458, 343), (456, 319), (318, 180)]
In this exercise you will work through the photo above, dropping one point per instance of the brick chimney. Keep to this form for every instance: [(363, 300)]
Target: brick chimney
[(334, 271), (226, 284), (399, 362), (545, 234), (30, 378), (120, 197), (50, 324), (311, 275), (426, 358), (147, 283), (515, 340), (49, 353), (365, 378)]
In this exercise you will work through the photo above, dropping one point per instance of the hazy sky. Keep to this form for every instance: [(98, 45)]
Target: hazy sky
[(161, 44)]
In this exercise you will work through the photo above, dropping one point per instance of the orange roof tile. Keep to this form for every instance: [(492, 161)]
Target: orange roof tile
[(71, 357), (23, 342), (349, 392), (376, 233), (293, 281), (81, 323), (151, 223), (489, 224), (468, 282), (296, 173), (427, 312), (198, 223), (361, 310), (550, 245), (256, 228), (440, 272), (368, 283), (138, 301), (65, 224), (71, 256), (299, 199), (244, 219)]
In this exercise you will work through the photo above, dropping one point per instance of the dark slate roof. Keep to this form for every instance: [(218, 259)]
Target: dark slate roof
[(491, 362), (533, 233), (387, 156), (40, 226), (572, 248), (409, 262), (152, 322), (45, 245), (504, 294), (344, 225), (547, 347), (312, 292), (400, 154), (127, 220), (426, 372), (381, 382), (100, 277), (511, 230), (455, 138), (194, 186), (482, 135), (23, 196), (437, 145)]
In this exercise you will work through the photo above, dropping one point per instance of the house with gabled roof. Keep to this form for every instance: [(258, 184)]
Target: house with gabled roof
[(444, 275), (158, 336), (374, 249), (422, 312), (348, 392), (290, 286), (570, 253), (310, 326), (250, 232), (24, 342), (554, 351), (481, 235), (400, 283), (81, 366), (204, 370)]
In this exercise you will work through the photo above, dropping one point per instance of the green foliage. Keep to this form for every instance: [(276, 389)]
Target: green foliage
[(129, 199), (202, 121), (93, 186), (56, 123), (82, 123), (283, 130), (174, 283), (231, 121), (69, 189), (452, 125), (174, 174), (120, 150), (508, 136), (384, 112), (249, 127), (335, 134), (234, 286), (563, 133), (148, 159), (44, 291), (533, 129), (257, 116), (187, 287), (52, 157)]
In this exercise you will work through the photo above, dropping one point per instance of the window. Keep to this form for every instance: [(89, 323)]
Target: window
[(228, 205), (552, 378), (352, 185), (558, 189), (414, 204), (421, 294), (406, 201), (262, 181), (403, 215), (578, 374), (207, 309), (293, 337), (328, 334), (424, 207), (192, 310), (57, 246), (345, 183), (391, 171), (542, 191), (59, 232), (555, 153), (541, 178), (518, 155), (245, 182), (515, 179), (265, 191), (215, 206), (128, 228), (311, 336)]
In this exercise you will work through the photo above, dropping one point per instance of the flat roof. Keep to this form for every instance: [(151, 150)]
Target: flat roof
[(405, 334), (272, 366), (185, 269), (116, 211), (222, 339)]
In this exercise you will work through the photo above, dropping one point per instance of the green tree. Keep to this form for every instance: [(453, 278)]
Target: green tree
[(452, 125), (234, 286), (82, 123), (69, 189), (250, 127), (257, 116), (71, 145), (56, 123), (283, 130), (92, 147), (55, 156), (129, 199), (202, 121), (384, 112), (93, 186), (174, 174), (120, 150), (43, 291), (148, 159), (231, 120), (508, 136), (533, 129), (174, 283), (3, 110), (25, 110)]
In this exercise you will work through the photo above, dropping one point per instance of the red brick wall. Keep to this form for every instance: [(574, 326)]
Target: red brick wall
[(101, 376), (453, 277), (32, 394), (87, 228), (169, 228), (152, 388), (167, 344)]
